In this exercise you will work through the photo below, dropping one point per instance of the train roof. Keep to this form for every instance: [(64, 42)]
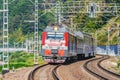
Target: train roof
[(79, 34), (63, 28)]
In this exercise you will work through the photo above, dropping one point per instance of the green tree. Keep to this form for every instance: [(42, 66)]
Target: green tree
[(17, 36)]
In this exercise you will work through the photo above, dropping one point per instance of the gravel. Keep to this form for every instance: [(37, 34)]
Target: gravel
[(111, 65), (44, 73), (19, 74), (74, 71)]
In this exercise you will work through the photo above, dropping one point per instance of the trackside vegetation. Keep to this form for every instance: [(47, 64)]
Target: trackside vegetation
[(22, 59)]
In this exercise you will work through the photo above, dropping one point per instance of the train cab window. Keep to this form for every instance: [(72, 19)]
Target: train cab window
[(50, 36), (56, 36), (59, 36)]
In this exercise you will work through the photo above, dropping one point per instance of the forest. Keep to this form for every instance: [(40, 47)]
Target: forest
[(21, 10)]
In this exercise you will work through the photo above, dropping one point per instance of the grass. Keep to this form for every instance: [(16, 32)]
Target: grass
[(118, 61), (118, 64), (22, 59), (119, 72)]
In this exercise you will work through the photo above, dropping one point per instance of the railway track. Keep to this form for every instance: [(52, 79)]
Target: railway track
[(93, 67), (32, 75), (54, 73)]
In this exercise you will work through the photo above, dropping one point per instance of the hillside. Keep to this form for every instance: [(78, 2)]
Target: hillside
[(21, 10)]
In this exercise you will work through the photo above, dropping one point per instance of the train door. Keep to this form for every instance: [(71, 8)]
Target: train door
[(70, 45), (93, 46), (86, 46), (76, 44)]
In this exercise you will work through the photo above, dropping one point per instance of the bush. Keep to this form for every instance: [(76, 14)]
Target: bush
[(118, 64), (22, 59)]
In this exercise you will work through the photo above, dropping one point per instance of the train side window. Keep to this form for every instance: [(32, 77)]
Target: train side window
[(50, 36), (80, 41), (86, 40)]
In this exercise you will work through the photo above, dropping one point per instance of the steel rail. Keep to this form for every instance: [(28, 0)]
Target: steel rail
[(109, 72), (104, 57), (31, 75), (91, 72), (54, 73)]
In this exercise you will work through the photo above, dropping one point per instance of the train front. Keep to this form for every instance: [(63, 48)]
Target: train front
[(54, 44)]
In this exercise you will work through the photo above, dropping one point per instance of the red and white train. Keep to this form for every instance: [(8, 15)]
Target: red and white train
[(59, 44)]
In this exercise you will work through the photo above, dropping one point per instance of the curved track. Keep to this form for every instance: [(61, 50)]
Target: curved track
[(54, 73), (44, 72), (93, 67), (31, 75)]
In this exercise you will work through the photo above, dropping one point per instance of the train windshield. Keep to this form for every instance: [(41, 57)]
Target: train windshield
[(57, 36)]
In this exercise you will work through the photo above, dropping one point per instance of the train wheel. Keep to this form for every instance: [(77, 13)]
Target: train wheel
[(78, 57), (83, 56), (89, 56), (67, 59), (93, 54)]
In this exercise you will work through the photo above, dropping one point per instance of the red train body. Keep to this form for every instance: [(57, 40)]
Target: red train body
[(60, 44)]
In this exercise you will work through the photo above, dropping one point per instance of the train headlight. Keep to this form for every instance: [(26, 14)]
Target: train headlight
[(55, 28)]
